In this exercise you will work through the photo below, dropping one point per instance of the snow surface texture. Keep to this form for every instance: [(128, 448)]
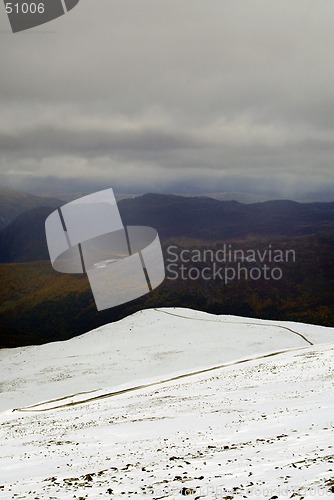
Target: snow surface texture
[(261, 428)]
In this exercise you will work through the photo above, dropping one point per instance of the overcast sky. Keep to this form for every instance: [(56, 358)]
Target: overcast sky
[(171, 96)]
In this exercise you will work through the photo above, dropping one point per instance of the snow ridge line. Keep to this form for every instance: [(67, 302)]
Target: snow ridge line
[(237, 323), (150, 384)]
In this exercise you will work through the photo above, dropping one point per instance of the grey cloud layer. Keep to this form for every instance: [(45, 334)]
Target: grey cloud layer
[(155, 93)]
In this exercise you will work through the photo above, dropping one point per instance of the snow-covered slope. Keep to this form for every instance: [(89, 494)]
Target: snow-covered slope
[(261, 428), (146, 346)]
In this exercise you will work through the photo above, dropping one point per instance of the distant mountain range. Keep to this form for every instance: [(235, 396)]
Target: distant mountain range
[(212, 220), (23, 240), (38, 304), (256, 198), (193, 219), (242, 197), (14, 203)]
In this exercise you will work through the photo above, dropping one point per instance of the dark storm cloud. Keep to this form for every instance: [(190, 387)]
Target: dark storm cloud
[(214, 94), (43, 141)]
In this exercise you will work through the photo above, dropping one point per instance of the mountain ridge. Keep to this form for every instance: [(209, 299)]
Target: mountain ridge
[(14, 203), (173, 216)]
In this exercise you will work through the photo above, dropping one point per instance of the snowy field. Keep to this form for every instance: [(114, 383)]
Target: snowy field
[(195, 413)]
